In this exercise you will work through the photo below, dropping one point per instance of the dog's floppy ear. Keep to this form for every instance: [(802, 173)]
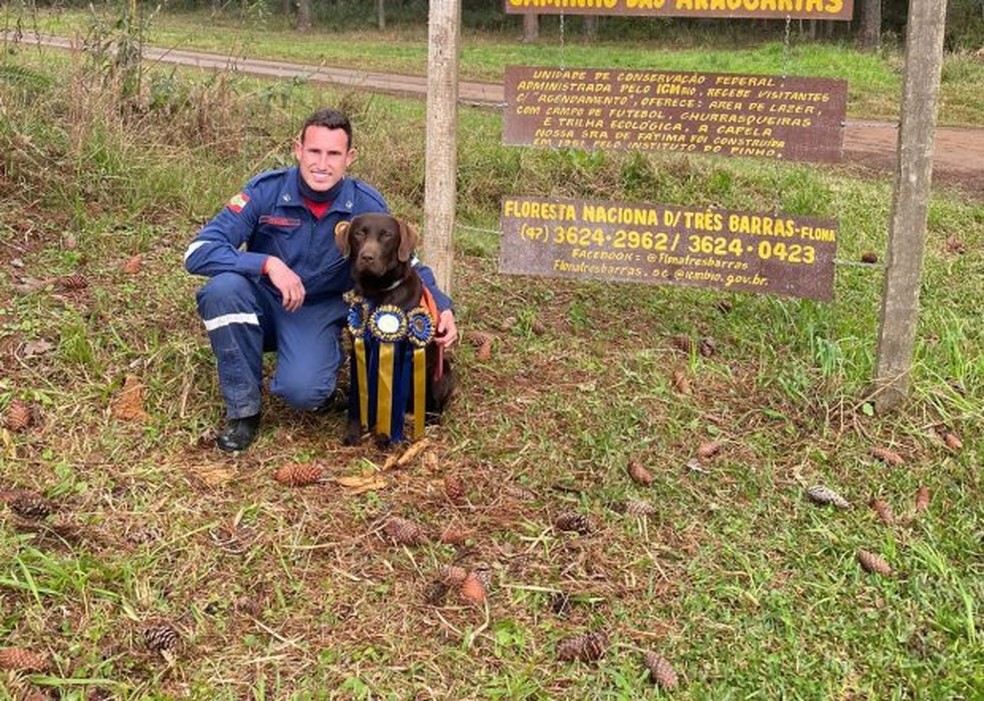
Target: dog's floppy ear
[(341, 237), (408, 241)]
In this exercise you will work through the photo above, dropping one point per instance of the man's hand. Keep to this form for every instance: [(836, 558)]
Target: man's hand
[(286, 280), (447, 332)]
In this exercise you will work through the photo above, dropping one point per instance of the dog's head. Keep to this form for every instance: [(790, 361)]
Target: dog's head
[(377, 243)]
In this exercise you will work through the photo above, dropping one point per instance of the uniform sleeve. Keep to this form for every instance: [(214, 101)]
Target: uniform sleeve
[(217, 248), (442, 301)]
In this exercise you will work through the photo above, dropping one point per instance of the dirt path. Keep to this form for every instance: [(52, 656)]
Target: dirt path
[(958, 158)]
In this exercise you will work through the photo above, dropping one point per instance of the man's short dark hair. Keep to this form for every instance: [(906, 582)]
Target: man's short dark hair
[(330, 119)]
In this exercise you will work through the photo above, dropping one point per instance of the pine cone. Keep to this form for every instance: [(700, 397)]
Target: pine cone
[(161, 637), (404, 531), (708, 449), (16, 658), (869, 257), (639, 474), (638, 507), (887, 456), (680, 382), (826, 495), (18, 415), (75, 281), (683, 343), (922, 498), (707, 346), (873, 563), (298, 474), (585, 648), (573, 522), (455, 536), (519, 492), (660, 671), (472, 590), (436, 592), (883, 510), (31, 507), (454, 488), (952, 441)]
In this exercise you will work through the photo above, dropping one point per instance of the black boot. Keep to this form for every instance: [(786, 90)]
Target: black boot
[(238, 433)]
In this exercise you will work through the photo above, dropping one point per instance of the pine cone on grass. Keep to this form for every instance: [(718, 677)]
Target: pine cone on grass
[(161, 637), (472, 589), (18, 416), (587, 647), (405, 531), (873, 563), (15, 658), (661, 671), (708, 449), (573, 522), (922, 498), (825, 495), (639, 507), (27, 504), (454, 488), (75, 281), (298, 474), (883, 510), (889, 457)]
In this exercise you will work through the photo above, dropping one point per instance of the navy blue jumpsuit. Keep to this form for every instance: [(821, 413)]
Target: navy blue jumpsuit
[(242, 310)]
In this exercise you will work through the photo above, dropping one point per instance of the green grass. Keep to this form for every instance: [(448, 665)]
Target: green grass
[(749, 589)]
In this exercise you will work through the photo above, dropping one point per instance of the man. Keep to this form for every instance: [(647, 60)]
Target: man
[(277, 278)]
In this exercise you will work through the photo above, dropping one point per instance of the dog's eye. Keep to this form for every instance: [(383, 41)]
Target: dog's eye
[(385, 234), (359, 233)]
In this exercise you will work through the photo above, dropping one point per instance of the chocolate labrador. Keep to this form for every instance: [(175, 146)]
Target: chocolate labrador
[(381, 248)]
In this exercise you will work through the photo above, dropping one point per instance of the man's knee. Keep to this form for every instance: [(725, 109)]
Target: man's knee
[(305, 396), (226, 292)]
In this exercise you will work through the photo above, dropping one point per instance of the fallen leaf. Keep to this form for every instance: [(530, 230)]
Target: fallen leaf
[(133, 265), (214, 475), (35, 348), (708, 449), (128, 405), (357, 484), (955, 245)]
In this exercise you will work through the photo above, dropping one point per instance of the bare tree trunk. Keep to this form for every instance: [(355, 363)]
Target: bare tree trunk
[(303, 15), (286, 7), (531, 28), (869, 36), (591, 27), (381, 14)]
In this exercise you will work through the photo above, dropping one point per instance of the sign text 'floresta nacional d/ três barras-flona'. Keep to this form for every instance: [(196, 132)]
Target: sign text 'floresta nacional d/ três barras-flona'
[(755, 9), (724, 114), (661, 244)]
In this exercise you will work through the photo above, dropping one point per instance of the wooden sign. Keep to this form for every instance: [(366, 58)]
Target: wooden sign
[(751, 9), (659, 244), (723, 114)]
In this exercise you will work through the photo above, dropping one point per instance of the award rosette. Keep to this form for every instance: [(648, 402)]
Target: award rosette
[(420, 327), (388, 323)]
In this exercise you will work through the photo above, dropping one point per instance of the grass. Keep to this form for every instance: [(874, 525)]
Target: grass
[(749, 589)]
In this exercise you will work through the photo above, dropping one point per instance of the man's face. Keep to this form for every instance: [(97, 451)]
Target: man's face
[(323, 155)]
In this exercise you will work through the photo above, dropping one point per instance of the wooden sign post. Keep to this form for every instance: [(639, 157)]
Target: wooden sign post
[(910, 200), (444, 30)]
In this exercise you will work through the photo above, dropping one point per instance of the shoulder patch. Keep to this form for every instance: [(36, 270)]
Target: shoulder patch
[(238, 201)]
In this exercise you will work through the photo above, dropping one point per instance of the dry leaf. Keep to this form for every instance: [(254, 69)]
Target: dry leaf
[(955, 245), (922, 498), (35, 348), (214, 475), (639, 474), (680, 382), (133, 265), (128, 405), (358, 484), (708, 449), (887, 456)]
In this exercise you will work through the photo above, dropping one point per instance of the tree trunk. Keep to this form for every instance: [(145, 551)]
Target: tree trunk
[(303, 15), (531, 28), (381, 14), (591, 27), (869, 36)]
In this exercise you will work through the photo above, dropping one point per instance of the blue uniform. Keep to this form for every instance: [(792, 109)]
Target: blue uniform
[(242, 310)]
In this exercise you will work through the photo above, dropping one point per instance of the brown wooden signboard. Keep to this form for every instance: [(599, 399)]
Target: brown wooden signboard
[(752, 9), (659, 244), (724, 114)]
